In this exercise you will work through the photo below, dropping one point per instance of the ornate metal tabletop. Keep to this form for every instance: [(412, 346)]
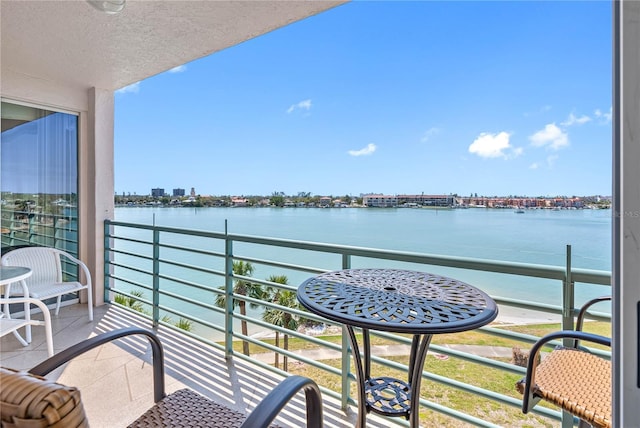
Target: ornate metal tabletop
[(400, 301)]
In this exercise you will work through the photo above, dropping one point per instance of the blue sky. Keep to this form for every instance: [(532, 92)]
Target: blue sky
[(494, 98)]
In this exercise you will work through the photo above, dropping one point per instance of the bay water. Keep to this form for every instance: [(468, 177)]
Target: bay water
[(535, 237)]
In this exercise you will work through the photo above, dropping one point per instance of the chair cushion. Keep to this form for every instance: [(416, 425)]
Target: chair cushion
[(32, 401)]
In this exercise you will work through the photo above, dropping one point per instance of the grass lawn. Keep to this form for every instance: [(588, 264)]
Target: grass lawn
[(498, 381)]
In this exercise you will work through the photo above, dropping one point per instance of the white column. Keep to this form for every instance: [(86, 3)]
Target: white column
[(97, 184)]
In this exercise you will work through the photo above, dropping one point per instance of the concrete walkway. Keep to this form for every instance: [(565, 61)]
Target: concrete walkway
[(392, 350)]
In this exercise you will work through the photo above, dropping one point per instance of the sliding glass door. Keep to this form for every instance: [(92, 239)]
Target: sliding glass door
[(39, 177)]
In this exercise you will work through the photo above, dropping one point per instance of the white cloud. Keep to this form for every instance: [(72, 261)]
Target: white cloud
[(429, 133), (302, 105), (534, 165), (574, 120), (178, 69), (494, 146), (606, 116), (132, 88), (551, 136), (365, 151)]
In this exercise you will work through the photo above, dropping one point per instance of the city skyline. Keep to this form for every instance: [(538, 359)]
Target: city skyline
[(155, 193), (496, 98)]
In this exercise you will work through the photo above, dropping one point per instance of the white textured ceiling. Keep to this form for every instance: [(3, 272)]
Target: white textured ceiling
[(71, 43)]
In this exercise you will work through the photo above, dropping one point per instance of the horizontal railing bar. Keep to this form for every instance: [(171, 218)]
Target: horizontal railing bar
[(538, 307), (191, 250), (596, 316), (130, 254), (190, 267), (469, 356), (290, 266), (260, 302), (125, 239), (131, 268), (508, 334), (195, 337), (127, 281), (178, 231), (193, 302), (277, 285), (191, 318), (124, 293), (591, 276), (302, 358), (291, 333), (191, 284)]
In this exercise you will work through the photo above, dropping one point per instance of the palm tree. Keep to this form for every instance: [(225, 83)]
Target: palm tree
[(279, 317), (243, 288)]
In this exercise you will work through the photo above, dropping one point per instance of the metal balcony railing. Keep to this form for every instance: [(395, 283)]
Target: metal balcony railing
[(166, 272)]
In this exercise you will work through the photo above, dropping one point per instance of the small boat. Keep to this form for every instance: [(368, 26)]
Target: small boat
[(519, 211)]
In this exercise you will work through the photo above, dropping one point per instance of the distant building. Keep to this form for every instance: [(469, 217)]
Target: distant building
[(379, 201), (426, 200), (178, 192), (157, 193), (193, 192), (239, 202), (325, 201)]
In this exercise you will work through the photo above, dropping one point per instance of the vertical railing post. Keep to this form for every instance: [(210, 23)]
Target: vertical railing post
[(228, 293), (106, 260), (568, 304), (346, 352), (156, 276), (568, 297)]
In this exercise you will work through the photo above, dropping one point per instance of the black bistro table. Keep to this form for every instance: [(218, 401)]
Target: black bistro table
[(399, 301)]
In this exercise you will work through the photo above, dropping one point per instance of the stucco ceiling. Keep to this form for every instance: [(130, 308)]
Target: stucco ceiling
[(71, 43)]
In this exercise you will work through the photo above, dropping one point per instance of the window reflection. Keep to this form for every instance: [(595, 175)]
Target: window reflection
[(39, 178)]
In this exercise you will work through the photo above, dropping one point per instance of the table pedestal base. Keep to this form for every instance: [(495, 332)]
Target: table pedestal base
[(388, 396)]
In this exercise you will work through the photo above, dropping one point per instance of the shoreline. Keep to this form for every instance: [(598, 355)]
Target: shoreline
[(507, 316)]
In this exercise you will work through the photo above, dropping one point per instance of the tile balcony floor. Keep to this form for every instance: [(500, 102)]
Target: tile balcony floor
[(115, 380)]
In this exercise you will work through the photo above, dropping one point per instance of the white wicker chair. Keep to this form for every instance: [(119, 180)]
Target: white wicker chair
[(47, 280), (11, 325)]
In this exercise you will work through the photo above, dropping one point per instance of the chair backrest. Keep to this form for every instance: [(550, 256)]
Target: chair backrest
[(27, 400), (43, 261)]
